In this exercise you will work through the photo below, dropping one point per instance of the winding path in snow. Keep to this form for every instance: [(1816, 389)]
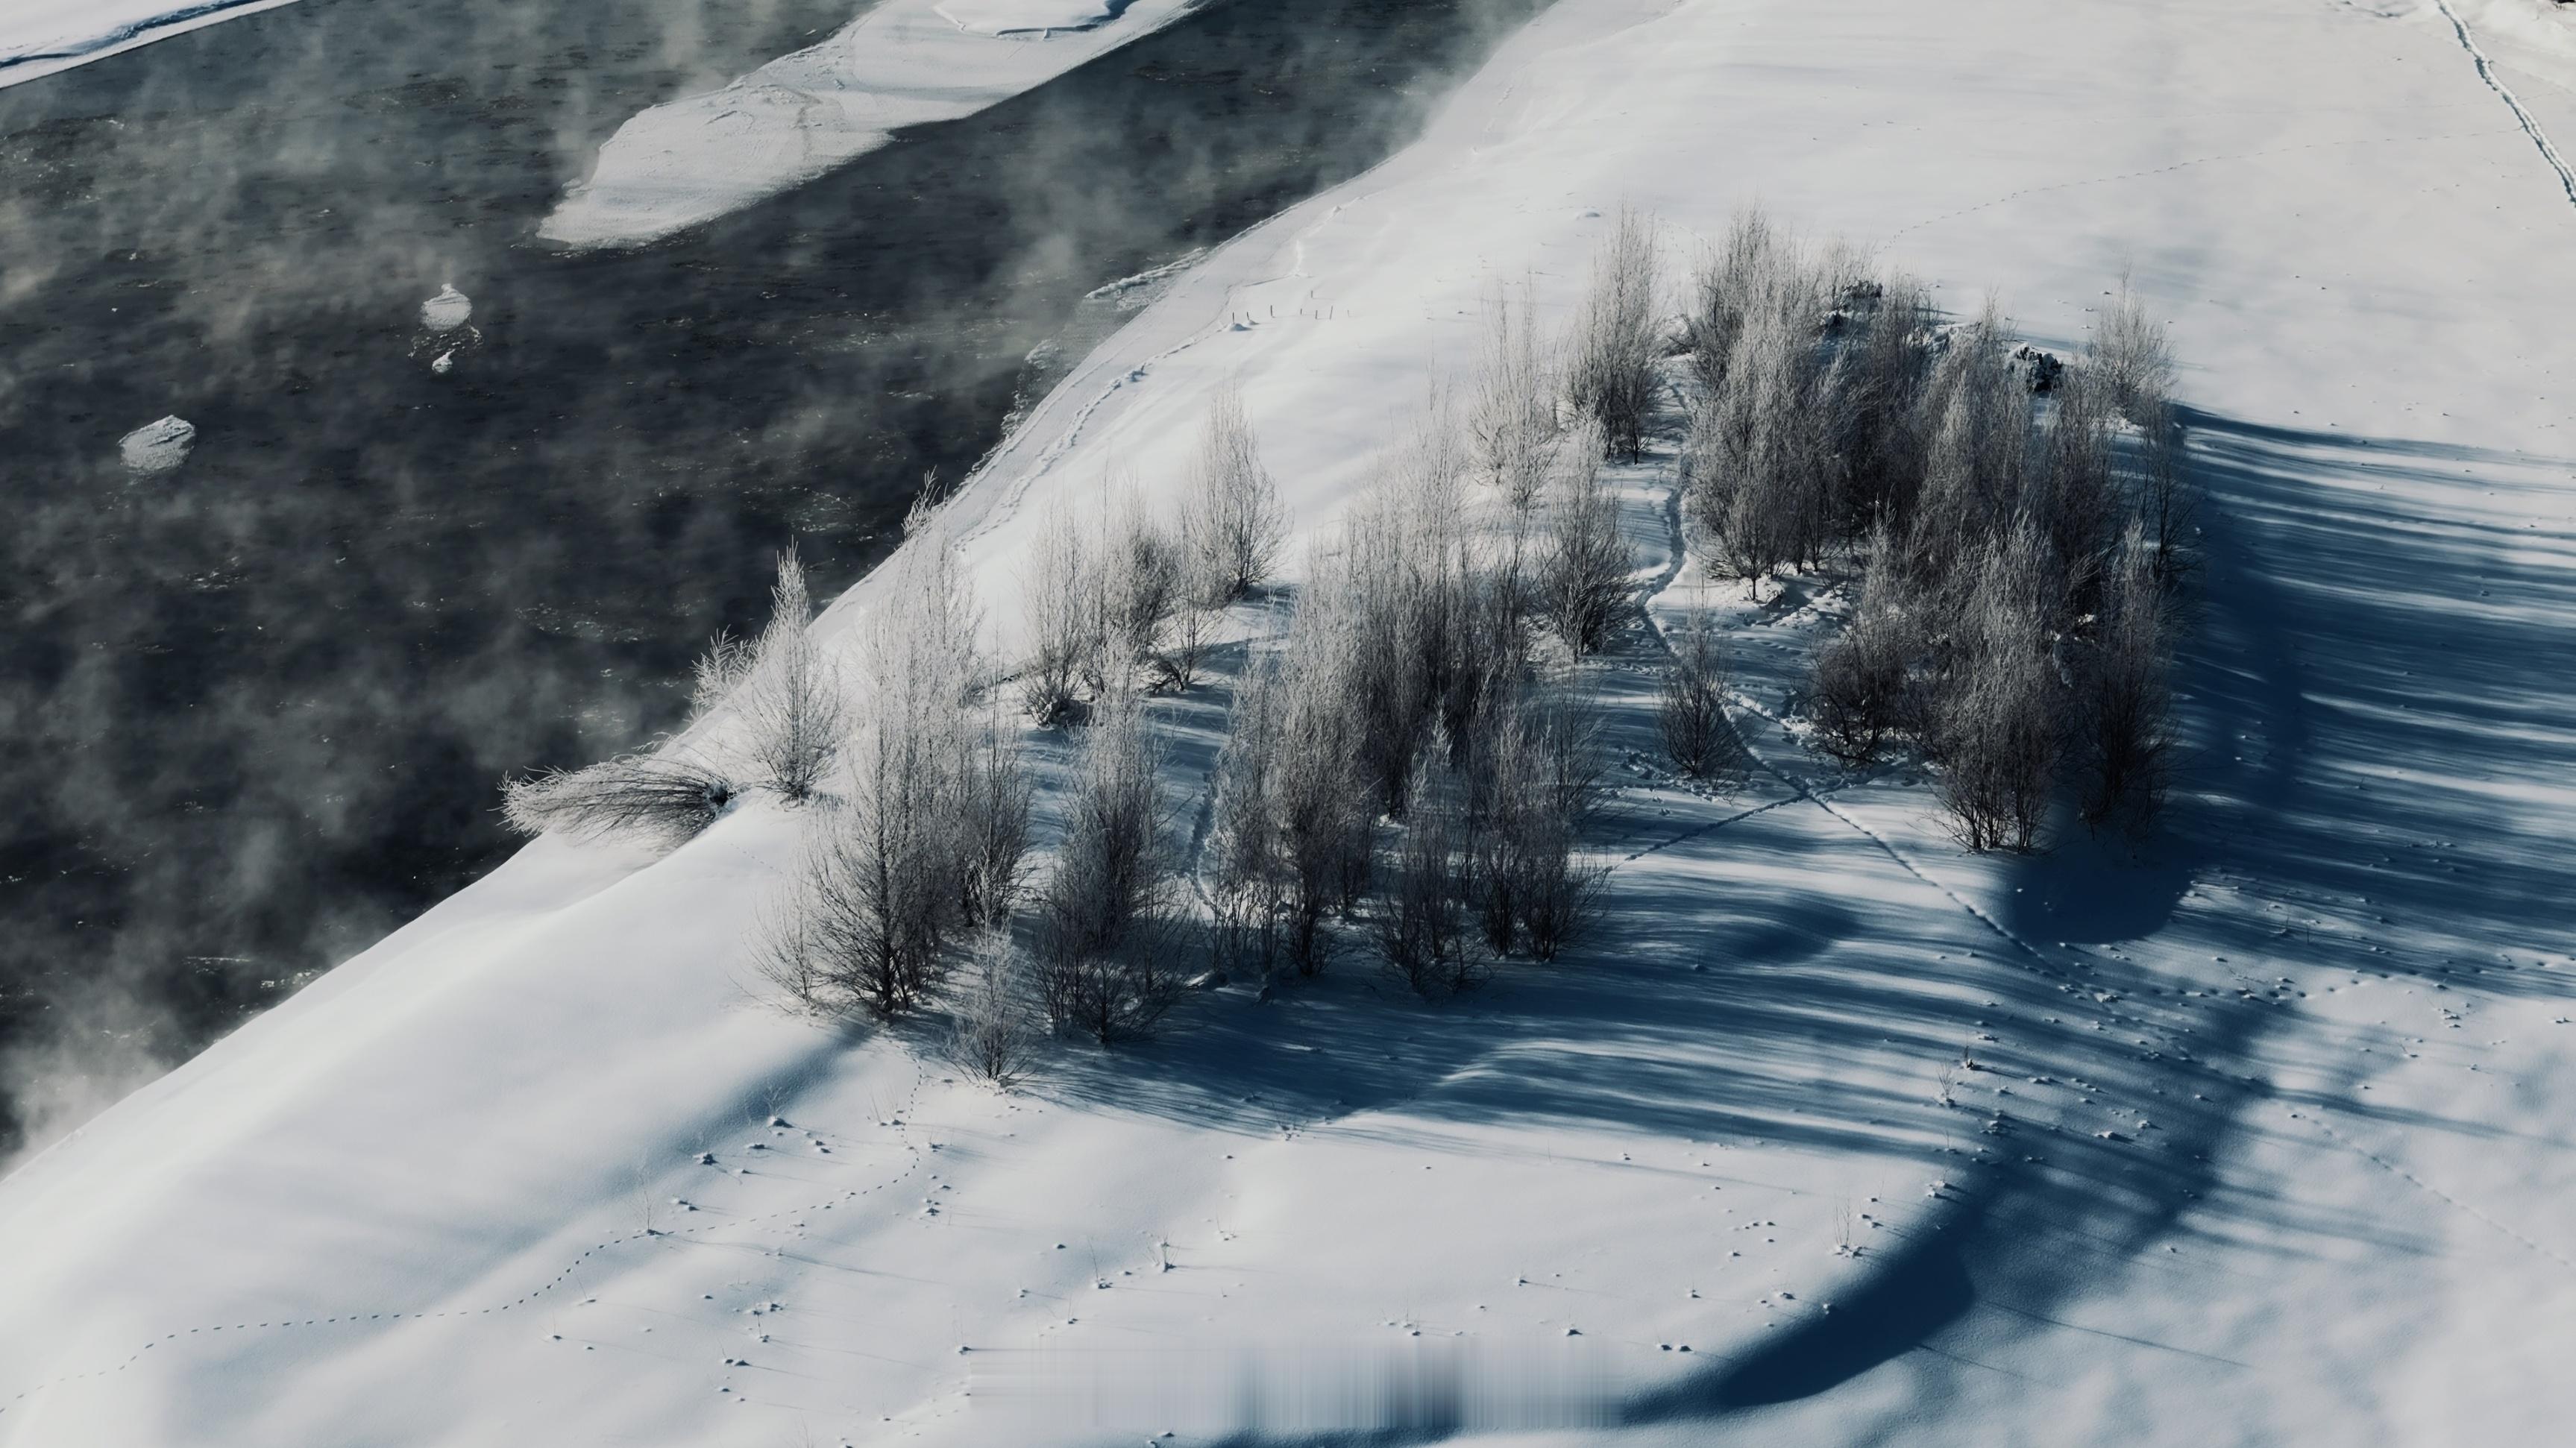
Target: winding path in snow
[(2530, 124)]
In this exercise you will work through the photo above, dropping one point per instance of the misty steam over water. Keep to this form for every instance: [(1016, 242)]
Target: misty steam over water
[(257, 702)]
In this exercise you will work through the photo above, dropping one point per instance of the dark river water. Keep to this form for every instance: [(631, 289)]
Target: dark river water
[(253, 712)]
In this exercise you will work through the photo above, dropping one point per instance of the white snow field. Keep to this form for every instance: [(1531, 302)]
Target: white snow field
[(903, 63), (40, 37), (2267, 1139)]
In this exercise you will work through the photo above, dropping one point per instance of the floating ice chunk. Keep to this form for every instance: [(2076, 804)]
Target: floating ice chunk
[(447, 311), (444, 362), (157, 447)]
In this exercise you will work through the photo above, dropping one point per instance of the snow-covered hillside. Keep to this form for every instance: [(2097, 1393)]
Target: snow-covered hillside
[(2266, 1140)]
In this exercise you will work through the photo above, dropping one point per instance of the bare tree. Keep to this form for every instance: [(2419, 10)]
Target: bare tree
[(1138, 585), (1761, 470), (1690, 709), (878, 895), (2129, 718), (1063, 620), (1979, 421), (1247, 869), (1513, 419), (1749, 275), (1540, 785), (993, 799), (1232, 521), (654, 799), (1882, 388), (1108, 935), (1422, 922), (793, 710), (1996, 715), (1583, 567), (1610, 363), (2163, 499), (1859, 685), (989, 1036), (1325, 808)]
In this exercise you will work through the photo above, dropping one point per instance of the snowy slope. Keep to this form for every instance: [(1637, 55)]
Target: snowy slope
[(2278, 1146), (40, 37)]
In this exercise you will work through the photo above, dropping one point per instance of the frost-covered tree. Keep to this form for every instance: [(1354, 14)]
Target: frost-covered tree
[(1583, 559), (1539, 784), (1423, 919), (1107, 935), (1859, 685), (1064, 620), (793, 710), (1610, 361), (989, 1035), (1513, 419), (1232, 522), (1997, 715), (927, 842)]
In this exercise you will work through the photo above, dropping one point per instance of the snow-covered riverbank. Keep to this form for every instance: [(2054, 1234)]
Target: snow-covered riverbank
[(40, 37), (2280, 1154), (904, 63)]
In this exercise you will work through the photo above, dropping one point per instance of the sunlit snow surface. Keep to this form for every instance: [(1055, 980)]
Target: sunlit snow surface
[(2278, 1147)]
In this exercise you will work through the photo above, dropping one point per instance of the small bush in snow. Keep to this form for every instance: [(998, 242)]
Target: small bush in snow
[(1232, 522), (1610, 362), (2129, 353), (652, 799), (1690, 707), (1108, 957)]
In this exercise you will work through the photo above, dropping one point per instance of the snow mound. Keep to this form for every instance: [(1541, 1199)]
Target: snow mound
[(157, 447)]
